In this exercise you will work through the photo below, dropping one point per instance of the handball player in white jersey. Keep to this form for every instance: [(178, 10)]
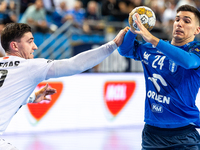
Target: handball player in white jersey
[(20, 73)]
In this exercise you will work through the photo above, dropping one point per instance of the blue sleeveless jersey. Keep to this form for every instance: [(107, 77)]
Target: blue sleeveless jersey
[(171, 90)]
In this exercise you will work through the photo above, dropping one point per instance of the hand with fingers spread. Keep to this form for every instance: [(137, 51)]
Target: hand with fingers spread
[(43, 92), (147, 17), (146, 35)]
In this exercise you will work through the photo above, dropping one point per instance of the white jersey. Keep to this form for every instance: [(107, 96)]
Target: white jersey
[(18, 79), (19, 76)]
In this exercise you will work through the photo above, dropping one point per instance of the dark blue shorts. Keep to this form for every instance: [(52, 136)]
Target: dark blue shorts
[(183, 138)]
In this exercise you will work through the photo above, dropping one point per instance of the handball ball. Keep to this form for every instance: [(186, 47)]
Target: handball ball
[(147, 17)]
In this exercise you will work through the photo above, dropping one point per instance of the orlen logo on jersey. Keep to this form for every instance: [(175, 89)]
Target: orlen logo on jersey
[(117, 94), (39, 110)]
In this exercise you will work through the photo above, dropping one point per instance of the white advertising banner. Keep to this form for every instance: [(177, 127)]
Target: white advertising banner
[(85, 101)]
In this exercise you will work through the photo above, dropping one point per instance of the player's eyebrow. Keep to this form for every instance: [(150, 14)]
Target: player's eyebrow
[(31, 39), (185, 17)]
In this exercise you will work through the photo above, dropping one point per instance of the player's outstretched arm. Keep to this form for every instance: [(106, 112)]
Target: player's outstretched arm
[(85, 60)]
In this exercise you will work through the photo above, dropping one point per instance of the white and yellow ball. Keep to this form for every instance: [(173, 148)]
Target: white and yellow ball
[(147, 17)]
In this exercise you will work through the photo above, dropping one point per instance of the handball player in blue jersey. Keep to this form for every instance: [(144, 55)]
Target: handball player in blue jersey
[(172, 75)]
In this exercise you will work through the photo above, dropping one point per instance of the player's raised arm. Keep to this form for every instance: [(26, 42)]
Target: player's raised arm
[(146, 35), (185, 59), (85, 60)]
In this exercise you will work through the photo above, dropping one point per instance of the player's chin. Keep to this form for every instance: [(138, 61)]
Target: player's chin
[(178, 37)]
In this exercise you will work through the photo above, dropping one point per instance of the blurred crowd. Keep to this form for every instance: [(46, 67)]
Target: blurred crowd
[(89, 16)]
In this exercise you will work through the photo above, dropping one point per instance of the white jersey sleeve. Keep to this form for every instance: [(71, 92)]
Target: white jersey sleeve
[(81, 62), (66, 67)]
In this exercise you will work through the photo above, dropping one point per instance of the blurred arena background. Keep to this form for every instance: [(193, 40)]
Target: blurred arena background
[(102, 108)]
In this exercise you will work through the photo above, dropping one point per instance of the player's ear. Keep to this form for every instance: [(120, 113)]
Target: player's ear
[(13, 45), (197, 30)]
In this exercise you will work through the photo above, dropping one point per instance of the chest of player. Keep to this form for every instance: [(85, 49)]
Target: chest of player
[(158, 62)]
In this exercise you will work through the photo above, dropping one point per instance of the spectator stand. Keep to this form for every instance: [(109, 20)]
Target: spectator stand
[(57, 45), (9, 11)]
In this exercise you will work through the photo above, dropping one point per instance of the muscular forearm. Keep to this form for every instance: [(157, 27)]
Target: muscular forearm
[(179, 56), (81, 62)]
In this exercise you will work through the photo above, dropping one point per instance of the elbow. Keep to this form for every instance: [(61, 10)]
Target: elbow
[(191, 65), (192, 61)]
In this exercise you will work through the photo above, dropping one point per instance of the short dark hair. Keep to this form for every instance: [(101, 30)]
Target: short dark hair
[(191, 9), (13, 32)]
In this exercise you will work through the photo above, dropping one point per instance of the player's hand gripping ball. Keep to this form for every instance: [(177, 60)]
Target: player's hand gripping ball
[(147, 18)]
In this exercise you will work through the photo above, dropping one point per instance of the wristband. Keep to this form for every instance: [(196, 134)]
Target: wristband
[(31, 98)]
